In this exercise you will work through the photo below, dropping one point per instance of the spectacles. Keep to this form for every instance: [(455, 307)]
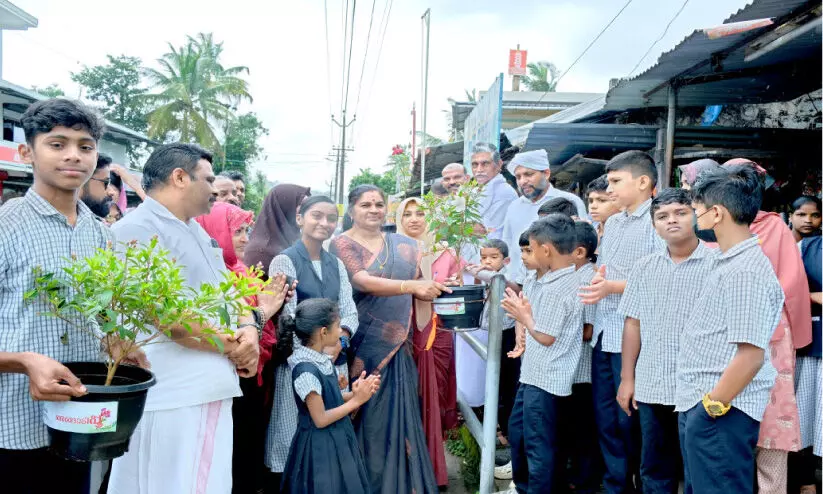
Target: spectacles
[(104, 181)]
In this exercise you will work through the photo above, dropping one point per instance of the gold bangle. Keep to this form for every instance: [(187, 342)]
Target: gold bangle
[(402, 289)]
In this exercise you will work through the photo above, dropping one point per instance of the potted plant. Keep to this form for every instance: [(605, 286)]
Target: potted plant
[(127, 299), (453, 222)]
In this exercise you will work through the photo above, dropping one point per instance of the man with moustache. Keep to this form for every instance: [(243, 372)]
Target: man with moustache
[(94, 193), (226, 190), (188, 412), (531, 170), (497, 193), (453, 176)]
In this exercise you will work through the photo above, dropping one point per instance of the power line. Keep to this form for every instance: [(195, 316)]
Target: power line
[(384, 21), (343, 65), (365, 57), (328, 67), (351, 45), (587, 48), (676, 15)]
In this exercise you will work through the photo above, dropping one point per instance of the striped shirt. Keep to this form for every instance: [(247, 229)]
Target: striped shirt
[(741, 303), (626, 238), (584, 368), (557, 312), (34, 233), (661, 294)]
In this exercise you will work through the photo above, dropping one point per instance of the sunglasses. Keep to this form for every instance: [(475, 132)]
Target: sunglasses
[(104, 181)]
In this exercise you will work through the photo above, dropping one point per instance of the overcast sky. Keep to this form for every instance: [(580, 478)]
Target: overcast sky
[(284, 45)]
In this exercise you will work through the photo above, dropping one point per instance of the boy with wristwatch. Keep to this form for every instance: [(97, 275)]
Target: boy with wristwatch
[(724, 375)]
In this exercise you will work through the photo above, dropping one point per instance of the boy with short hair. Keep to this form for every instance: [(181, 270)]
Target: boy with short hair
[(724, 375), (558, 205), (601, 204), (494, 257), (659, 297), (552, 316), (44, 228), (627, 237)]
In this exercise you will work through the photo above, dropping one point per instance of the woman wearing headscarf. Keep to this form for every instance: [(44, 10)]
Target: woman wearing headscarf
[(690, 171), (780, 427), (319, 274), (433, 347), (383, 269), (276, 229), (228, 225)]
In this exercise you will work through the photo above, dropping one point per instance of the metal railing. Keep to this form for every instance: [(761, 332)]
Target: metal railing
[(485, 432)]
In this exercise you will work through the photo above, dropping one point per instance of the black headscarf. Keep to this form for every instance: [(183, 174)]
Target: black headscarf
[(276, 229)]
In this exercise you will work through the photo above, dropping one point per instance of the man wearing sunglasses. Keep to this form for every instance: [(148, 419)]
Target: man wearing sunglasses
[(94, 193)]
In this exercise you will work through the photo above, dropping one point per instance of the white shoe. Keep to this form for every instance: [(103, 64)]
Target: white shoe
[(503, 472)]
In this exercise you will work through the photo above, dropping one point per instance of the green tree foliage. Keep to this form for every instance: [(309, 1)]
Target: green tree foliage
[(386, 181), (194, 93), (116, 86), (50, 91), (542, 77), (240, 144), (119, 294)]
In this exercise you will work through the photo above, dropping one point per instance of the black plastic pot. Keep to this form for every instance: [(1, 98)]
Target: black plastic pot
[(128, 390), (462, 308)]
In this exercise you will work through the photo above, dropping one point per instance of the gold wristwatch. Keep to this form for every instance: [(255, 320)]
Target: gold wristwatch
[(715, 408)]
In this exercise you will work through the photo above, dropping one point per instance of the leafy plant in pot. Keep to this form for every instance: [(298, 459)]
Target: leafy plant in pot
[(127, 299), (453, 221)]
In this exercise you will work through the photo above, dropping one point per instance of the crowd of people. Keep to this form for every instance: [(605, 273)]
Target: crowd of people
[(653, 337)]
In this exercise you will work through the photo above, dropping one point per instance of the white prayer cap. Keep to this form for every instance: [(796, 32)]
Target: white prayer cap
[(534, 160)]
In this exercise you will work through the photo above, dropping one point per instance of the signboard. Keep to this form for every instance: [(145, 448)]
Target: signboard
[(8, 152), (483, 123), (517, 62)]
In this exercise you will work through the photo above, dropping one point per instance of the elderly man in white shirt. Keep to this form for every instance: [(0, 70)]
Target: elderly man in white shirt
[(497, 193), (531, 170), (183, 442)]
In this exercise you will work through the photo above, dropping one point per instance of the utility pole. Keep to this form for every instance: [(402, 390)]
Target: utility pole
[(426, 25), (340, 175), (414, 134)]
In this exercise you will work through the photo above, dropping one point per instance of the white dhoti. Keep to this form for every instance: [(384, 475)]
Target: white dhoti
[(181, 451)]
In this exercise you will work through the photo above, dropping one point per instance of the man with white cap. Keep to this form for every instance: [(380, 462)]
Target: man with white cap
[(531, 170)]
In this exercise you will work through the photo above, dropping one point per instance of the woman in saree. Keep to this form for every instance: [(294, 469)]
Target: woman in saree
[(433, 346), (383, 268)]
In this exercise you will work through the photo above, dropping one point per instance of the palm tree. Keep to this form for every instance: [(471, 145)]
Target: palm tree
[(542, 77), (195, 93)]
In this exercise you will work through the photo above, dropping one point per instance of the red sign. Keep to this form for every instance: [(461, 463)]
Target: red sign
[(517, 62), (10, 154)]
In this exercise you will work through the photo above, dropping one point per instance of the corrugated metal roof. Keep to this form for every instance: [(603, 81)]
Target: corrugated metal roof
[(783, 74)]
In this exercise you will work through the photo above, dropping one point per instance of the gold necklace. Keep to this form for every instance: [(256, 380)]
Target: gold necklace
[(383, 246)]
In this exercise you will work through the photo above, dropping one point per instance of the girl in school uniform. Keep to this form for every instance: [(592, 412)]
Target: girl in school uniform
[(324, 457)]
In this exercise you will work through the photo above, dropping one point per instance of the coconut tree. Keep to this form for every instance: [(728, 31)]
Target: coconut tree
[(542, 77), (193, 93)]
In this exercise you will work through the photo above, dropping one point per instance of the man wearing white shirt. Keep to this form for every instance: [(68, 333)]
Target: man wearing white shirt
[(183, 442), (531, 170), (497, 193)]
